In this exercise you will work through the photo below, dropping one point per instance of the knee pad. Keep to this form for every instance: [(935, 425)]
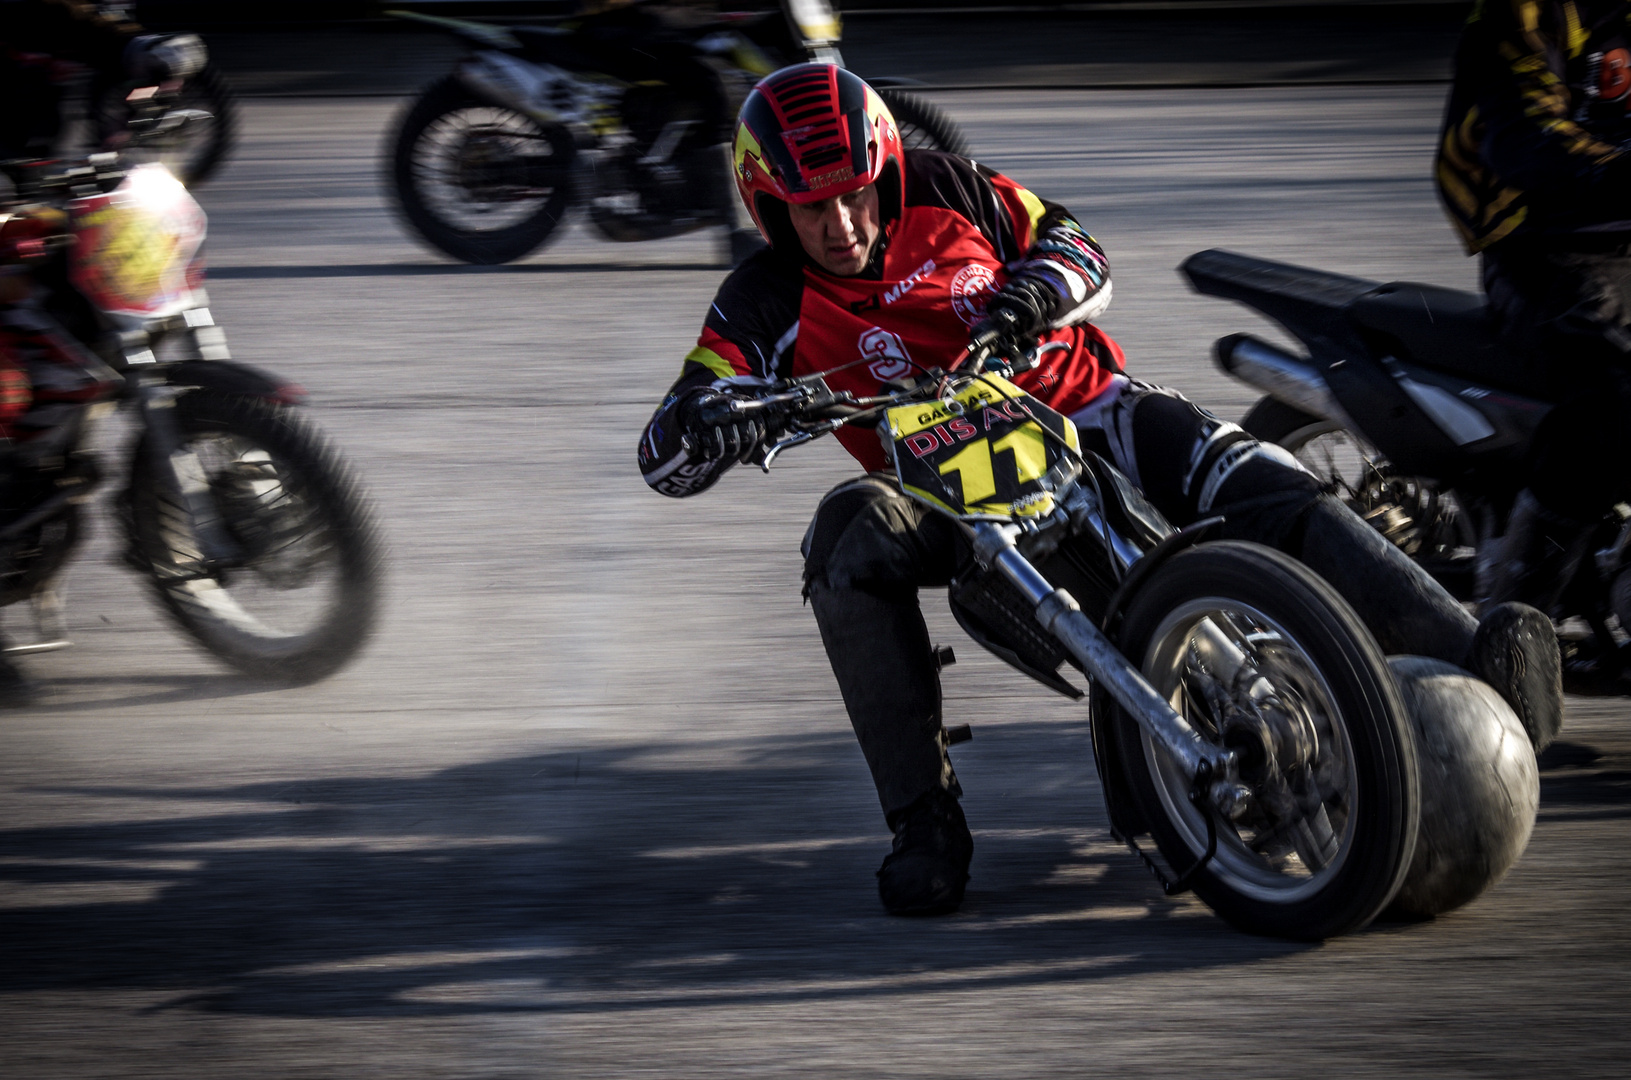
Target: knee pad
[(868, 535)]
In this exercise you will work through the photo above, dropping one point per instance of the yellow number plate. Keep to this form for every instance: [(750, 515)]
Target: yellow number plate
[(982, 453)]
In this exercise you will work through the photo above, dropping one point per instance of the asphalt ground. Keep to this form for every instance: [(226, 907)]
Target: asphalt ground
[(588, 806)]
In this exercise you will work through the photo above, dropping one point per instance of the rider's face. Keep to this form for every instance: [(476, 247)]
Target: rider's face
[(839, 233)]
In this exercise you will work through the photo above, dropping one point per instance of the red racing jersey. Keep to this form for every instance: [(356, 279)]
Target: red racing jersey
[(963, 232)]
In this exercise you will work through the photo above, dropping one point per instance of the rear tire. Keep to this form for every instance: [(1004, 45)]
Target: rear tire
[(1328, 834), (304, 596), (923, 126), (442, 144), (1418, 515), (198, 152), (208, 90)]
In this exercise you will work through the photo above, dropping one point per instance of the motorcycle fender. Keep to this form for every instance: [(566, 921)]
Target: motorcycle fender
[(1141, 570), (230, 377)]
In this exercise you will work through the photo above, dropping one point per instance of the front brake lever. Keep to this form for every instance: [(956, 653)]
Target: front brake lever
[(798, 438)]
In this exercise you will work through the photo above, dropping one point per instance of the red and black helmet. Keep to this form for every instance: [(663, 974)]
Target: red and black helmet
[(810, 132)]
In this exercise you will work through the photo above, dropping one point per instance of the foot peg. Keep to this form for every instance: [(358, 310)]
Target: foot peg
[(943, 657), (960, 733)]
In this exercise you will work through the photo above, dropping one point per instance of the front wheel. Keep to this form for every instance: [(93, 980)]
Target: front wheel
[(1263, 657), (479, 181), (297, 593)]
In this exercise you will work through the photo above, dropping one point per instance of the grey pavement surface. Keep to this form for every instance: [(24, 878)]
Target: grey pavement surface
[(589, 806), (947, 50)]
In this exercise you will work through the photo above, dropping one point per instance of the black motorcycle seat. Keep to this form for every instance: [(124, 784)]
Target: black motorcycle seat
[(1445, 330)]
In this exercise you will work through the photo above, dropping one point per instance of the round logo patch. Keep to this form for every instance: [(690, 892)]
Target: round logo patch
[(970, 289)]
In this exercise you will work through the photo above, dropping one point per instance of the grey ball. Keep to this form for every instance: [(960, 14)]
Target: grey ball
[(1480, 787)]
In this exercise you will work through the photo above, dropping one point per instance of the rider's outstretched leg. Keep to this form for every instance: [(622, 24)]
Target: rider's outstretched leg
[(1193, 465), (866, 553)]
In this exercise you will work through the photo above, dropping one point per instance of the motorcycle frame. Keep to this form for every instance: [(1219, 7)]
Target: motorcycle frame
[(159, 357)]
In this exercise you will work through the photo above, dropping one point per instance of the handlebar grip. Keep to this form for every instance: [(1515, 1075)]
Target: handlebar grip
[(719, 410)]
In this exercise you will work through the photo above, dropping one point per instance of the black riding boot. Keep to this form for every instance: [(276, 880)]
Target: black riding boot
[(880, 652), (1513, 648)]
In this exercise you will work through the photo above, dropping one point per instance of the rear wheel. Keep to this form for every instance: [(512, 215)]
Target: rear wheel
[(196, 151), (479, 181), (1422, 518), (923, 126), (1261, 656), (297, 596)]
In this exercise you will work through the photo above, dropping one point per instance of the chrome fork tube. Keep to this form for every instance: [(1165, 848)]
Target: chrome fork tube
[(156, 402), (1062, 617)]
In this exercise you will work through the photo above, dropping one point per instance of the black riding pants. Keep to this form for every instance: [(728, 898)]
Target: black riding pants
[(870, 548), (1572, 311)]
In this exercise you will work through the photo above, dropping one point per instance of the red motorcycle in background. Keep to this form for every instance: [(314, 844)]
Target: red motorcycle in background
[(250, 530)]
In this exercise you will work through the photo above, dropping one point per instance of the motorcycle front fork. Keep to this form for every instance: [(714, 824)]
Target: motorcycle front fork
[(1212, 769), (202, 536)]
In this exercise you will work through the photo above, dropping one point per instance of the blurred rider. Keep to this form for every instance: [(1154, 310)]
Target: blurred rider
[(42, 369), (44, 373), (1534, 168), (881, 263)]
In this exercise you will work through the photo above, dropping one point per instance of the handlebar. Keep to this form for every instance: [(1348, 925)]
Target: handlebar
[(994, 346)]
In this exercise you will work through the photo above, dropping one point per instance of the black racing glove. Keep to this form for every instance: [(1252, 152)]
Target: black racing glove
[(716, 428), (157, 58), (1013, 319), (1025, 304)]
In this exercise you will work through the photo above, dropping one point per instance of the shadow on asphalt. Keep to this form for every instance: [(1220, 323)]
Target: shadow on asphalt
[(629, 879), (165, 689), (261, 273), (1577, 783)]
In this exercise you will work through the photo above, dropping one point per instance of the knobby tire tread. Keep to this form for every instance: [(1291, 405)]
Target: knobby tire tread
[(477, 248), (909, 109), (344, 510)]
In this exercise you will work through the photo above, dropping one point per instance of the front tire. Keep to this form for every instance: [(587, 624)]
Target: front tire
[(476, 180), (301, 595), (1326, 751)]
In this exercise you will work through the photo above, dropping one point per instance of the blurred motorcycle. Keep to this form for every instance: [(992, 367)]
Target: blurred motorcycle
[(1410, 405), (248, 527), (625, 117), (101, 111)]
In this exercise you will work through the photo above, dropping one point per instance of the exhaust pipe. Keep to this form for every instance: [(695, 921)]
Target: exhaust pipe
[(1280, 375)]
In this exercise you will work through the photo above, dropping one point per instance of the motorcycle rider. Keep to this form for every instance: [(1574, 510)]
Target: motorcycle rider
[(881, 262), (44, 373), (1534, 169)]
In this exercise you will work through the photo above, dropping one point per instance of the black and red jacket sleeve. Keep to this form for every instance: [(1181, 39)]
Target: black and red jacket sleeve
[(747, 339), (1035, 238)]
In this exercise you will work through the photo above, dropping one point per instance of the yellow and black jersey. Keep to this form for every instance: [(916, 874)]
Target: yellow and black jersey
[(1537, 135)]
